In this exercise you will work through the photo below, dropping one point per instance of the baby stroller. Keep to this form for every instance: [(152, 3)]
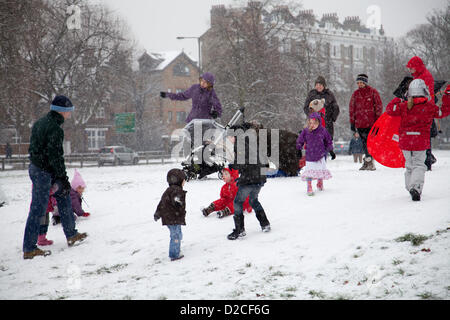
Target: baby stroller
[(196, 166)]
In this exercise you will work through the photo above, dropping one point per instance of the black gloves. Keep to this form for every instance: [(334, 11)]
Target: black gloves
[(299, 153), (214, 114), (163, 94), (65, 186), (352, 126), (333, 155), (156, 217)]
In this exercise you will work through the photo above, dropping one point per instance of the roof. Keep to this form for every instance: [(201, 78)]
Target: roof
[(167, 57)]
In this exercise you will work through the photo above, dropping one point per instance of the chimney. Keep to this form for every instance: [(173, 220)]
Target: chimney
[(218, 13), (306, 17), (352, 23)]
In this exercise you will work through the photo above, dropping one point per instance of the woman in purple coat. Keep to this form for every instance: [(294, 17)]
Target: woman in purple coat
[(205, 103), (318, 143)]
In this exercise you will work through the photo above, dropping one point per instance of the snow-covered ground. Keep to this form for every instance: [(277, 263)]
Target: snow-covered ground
[(339, 244)]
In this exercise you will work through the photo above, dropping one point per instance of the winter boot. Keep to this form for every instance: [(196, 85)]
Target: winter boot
[(309, 189), (36, 252), (223, 213), (76, 238), (181, 256), (320, 185), (371, 165), (366, 163), (56, 220), (43, 241), (239, 230), (208, 210), (415, 195), (263, 222)]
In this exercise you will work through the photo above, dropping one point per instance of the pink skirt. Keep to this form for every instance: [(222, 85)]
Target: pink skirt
[(316, 170)]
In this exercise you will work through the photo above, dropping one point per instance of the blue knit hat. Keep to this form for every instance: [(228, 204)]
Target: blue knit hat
[(62, 104)]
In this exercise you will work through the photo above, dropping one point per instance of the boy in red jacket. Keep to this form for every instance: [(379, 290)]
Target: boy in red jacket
[(414, 133), (224, 206)]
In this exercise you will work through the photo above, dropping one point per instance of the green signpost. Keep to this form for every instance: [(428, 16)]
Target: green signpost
[(125, 122)]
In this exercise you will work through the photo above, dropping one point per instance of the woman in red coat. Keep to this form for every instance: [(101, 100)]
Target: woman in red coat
[(414, 133), (419, 71), (224, 206)]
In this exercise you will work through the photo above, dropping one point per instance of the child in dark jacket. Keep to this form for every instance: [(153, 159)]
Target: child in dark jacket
[(356, 148), (319, 143), (224, 206), (251, 178), (172, 211)]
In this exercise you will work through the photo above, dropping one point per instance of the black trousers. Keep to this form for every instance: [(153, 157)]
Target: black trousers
[(364, 133)]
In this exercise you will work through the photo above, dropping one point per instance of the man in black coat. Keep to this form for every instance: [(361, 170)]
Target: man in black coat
[(321, 91), (47, 170)]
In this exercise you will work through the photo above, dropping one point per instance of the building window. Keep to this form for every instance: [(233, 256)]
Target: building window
[(96, 138), (181, 116), (169, 116), (180, 69), (100, 113), (336, 49)]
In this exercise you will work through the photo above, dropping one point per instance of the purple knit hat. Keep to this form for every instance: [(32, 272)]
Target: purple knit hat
[(207, 76)]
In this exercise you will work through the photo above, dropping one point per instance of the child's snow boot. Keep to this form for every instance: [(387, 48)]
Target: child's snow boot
[(309, 190), (43, 241), (263, 221), (320, 185), (223, 213), (208, 210), (239, 230), (56, 220), (415, 195)]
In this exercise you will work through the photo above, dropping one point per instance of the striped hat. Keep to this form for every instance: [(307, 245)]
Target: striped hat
[(363, 77), (62, 104)]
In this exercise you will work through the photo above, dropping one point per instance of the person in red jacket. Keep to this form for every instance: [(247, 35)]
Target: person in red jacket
[(418, 71), (416, 115), (364, 109), (224, 206)]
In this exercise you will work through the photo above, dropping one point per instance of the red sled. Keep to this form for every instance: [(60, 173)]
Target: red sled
[(382, 142)]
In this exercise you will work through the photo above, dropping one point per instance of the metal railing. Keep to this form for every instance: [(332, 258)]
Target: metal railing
[(80, 160)]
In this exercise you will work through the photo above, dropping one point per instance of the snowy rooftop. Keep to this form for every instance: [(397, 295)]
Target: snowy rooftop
[(166, 57)]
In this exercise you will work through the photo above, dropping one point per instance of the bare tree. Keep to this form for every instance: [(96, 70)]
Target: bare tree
[(431, 42), (42, 56), (247, 61)]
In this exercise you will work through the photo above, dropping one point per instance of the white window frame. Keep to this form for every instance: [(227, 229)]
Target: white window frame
[(100, 113), (97, 138)]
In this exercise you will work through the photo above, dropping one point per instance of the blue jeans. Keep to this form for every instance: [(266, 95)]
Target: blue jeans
[(175, 240), (251, 191), (42, 182)]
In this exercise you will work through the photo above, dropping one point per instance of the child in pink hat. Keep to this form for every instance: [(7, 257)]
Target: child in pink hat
[(76, 196)]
